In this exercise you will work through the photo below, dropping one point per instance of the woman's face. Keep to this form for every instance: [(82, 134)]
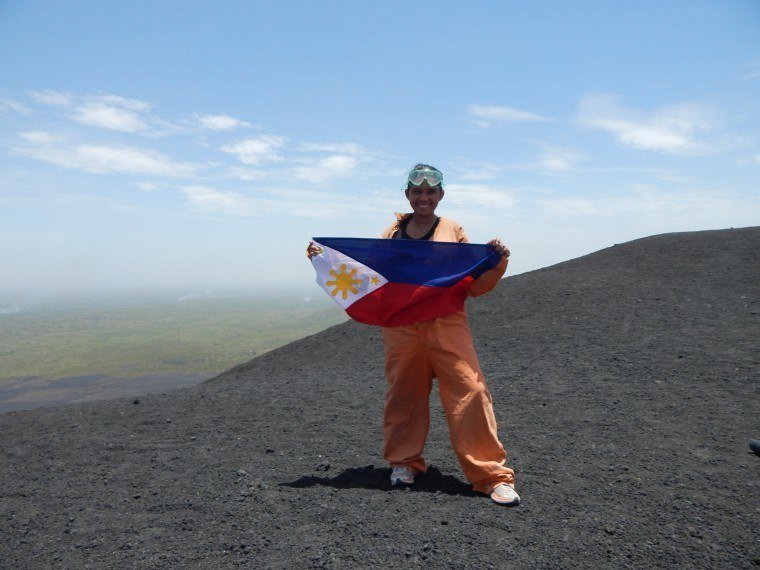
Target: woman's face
[(424, 198)]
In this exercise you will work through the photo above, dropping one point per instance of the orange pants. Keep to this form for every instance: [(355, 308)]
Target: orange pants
[(442, 348)]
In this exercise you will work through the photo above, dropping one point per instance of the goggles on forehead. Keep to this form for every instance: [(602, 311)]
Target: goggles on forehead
[(433, 177)]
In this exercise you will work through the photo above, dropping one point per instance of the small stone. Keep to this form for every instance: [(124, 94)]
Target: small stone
[(259, 484)]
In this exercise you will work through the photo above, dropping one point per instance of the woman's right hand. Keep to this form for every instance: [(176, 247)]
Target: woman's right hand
[(500, 247), (312, 250)]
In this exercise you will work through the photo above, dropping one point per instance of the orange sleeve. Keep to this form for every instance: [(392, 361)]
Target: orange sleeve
[(489, 279), (388, 233)]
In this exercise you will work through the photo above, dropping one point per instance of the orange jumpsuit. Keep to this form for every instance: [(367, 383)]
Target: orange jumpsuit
[(442, 348)]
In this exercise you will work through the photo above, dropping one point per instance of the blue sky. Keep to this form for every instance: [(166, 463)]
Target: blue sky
[(196, 146)]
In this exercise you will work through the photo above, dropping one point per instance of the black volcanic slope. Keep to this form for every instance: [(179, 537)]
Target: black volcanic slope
[(626, 387)]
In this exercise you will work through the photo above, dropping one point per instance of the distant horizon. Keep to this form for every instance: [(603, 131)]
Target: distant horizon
[(131, 296), (308, 292)]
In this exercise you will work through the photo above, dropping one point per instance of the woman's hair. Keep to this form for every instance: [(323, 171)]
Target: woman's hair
[(421, 166)]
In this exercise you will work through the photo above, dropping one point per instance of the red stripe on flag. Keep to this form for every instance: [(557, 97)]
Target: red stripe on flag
[(398, 304)]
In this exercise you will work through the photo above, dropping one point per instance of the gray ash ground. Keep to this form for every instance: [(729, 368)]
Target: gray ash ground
[(626, 388)]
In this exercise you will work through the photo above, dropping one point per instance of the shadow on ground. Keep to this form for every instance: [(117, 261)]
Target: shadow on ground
[(370, 477)]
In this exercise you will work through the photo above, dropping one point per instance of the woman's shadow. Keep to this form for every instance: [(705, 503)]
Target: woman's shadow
[(370, 477)]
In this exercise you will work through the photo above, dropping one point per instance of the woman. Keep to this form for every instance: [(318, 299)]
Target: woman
[(442, 348)]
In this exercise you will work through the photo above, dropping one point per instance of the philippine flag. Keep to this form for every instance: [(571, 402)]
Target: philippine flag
[(395, 282)]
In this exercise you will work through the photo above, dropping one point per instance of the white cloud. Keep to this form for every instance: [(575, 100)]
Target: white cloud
[(148, 186), (247, 174), (112, 112), (582, 206), (316, 204), (210, 199), (551, 159), (559, 160), (160, 127), (64, 200), (102, 159), (487, 115), (108, 111), (646, 200), (478, 171), (9, 106), (754, 70), (749, 160), (479, 196), (221, 123), (329, 168), (38, 137), (52, 97), (119, 101), (342, 161), (205, 199), (256, 150), (671, 129), (336, 148), (666, 175)]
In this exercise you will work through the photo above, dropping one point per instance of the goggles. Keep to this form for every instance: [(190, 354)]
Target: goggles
[(433, 177)]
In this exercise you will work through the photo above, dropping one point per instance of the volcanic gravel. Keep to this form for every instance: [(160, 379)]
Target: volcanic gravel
[(626, 388)]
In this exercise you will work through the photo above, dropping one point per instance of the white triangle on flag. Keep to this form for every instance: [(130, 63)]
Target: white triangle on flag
[(343, 278)]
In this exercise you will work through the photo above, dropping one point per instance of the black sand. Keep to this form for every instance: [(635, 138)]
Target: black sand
[(626, 385)]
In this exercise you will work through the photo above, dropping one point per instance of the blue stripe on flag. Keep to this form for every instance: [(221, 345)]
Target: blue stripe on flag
[(433, 263)]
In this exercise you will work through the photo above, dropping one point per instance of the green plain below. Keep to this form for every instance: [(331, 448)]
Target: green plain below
[(50, 357)]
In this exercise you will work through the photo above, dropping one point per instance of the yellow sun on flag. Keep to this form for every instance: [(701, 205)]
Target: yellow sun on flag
[(344, 282)]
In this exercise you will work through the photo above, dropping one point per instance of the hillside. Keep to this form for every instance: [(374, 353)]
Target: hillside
[(625, 384)]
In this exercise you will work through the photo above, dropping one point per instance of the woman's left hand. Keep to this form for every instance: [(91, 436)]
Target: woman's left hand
[(500, 247)]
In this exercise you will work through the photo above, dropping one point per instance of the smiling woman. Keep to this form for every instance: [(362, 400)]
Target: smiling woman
[(442, 348)]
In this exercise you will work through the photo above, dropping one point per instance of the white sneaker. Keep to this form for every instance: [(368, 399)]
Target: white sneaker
[(402, 476), (506, 495)]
